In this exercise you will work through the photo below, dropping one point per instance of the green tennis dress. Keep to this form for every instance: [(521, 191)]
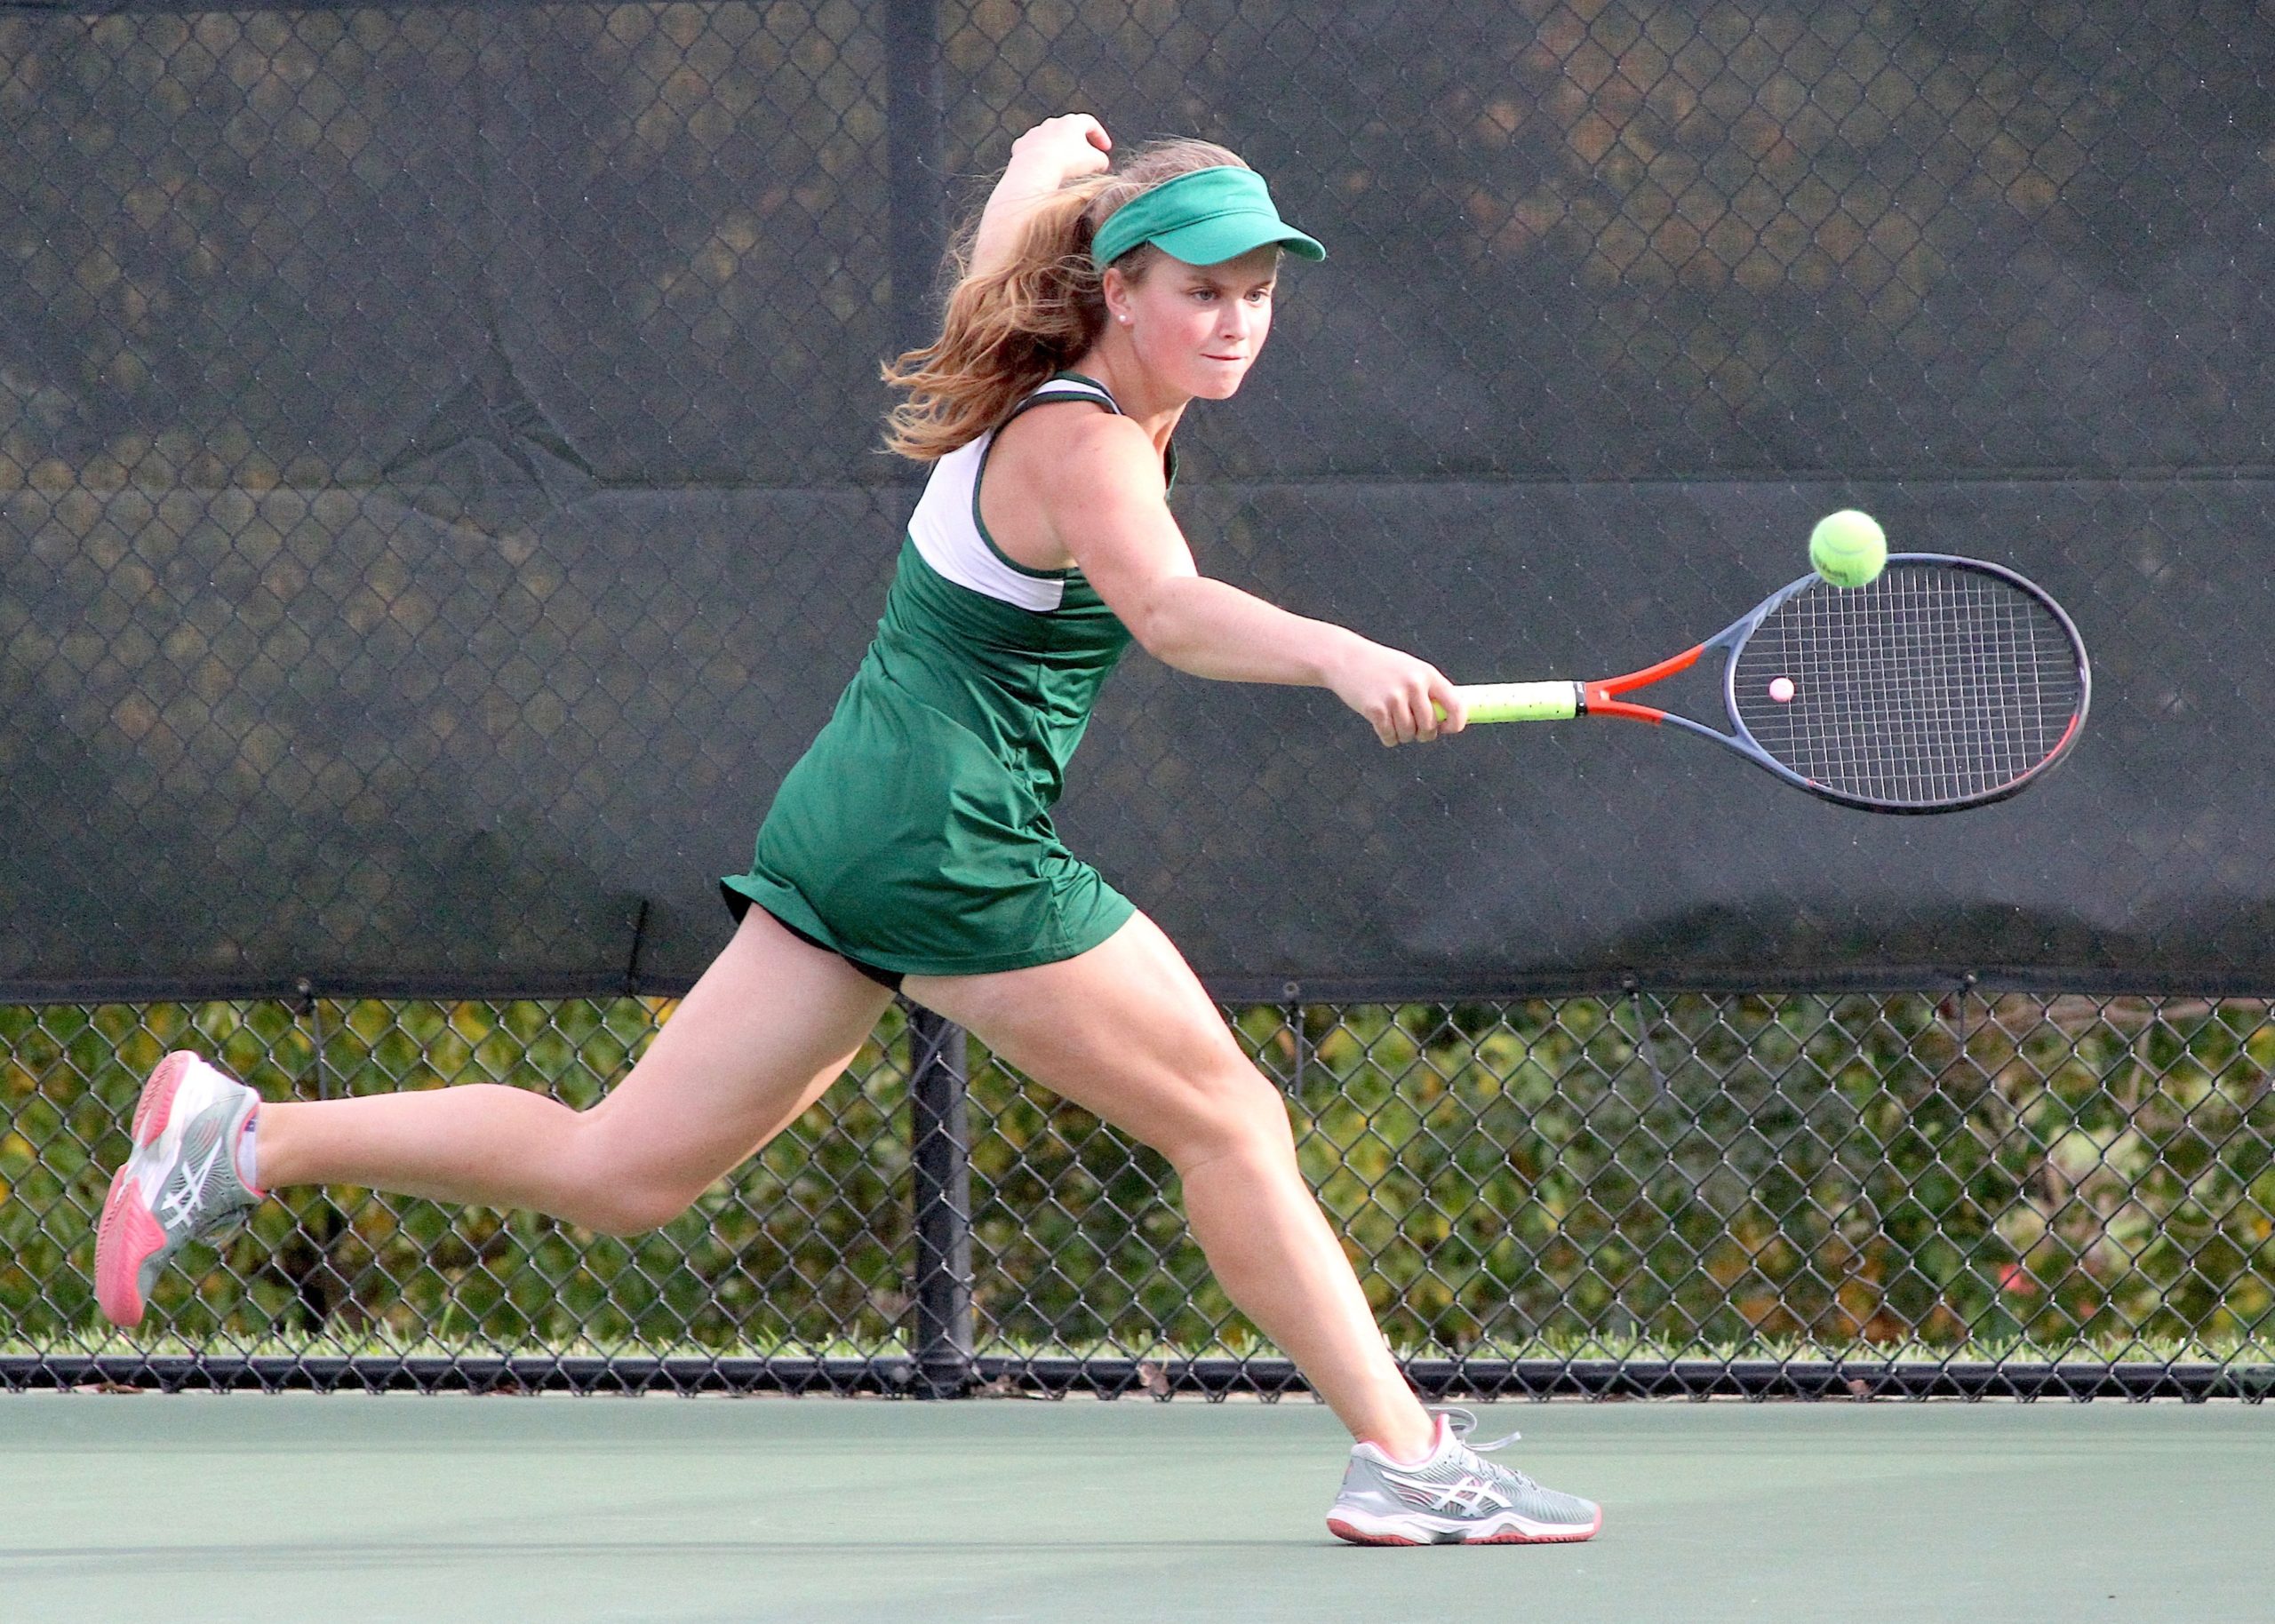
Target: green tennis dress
[(914, 834)]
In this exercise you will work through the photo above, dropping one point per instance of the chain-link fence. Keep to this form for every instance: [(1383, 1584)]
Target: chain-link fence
[(439, 479), (439, 498), (1790, 1194)]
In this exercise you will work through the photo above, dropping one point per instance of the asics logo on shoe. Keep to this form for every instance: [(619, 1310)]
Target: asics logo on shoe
[(1469, 1495), (176, 1205)]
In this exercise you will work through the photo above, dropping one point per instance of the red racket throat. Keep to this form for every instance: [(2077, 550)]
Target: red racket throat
[(1600, 698)]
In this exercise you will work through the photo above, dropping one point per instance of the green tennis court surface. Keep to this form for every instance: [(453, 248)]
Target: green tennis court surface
[(352, 1507)]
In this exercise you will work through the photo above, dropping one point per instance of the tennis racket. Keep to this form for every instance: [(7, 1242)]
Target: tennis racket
[(1943, 683)]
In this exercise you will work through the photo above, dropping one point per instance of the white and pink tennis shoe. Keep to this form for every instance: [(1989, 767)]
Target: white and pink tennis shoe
[(180, 1182), (1452, 1497)]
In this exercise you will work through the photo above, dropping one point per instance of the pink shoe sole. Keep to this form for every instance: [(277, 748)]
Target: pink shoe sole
[(1342, 1530), (129, 1232), (156, 1105)]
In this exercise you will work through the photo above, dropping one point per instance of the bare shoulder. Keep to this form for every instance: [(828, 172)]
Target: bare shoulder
[(1077, 439), (1052, 466)]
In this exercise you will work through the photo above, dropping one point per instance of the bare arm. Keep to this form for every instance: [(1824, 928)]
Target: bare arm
[(1042, 159), (1116, 524)]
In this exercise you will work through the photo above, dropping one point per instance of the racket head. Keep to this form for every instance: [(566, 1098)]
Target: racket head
[(1943, 683)]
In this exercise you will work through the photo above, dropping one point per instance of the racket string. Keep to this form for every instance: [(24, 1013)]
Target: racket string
[(1933, 684)]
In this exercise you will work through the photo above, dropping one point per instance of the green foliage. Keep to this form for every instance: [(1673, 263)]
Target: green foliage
[(1757, 1177)]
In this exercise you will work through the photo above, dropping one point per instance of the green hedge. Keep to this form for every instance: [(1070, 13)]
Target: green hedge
[(1757, 1174)]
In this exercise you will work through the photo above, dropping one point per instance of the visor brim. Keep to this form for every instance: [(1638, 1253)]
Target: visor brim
[(1230, 235)]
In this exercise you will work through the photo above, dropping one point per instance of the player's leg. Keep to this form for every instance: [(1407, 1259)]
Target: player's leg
[(771, 1024), (1126, 1031)]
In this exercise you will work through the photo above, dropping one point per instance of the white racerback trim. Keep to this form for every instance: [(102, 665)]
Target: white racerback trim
[(945, 525)]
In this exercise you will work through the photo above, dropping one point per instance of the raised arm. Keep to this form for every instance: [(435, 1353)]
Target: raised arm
[(1115, 524), (1045, 158)]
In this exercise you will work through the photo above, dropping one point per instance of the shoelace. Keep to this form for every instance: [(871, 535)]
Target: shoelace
[(1462, 1424)]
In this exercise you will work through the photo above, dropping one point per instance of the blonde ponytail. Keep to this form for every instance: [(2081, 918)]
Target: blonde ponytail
[(1007, 329)]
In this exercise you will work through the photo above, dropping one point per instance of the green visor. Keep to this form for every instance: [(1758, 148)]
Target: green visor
[(1205, 217)]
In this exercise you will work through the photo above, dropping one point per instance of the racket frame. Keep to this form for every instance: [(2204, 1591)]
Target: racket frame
[(1558, 700)]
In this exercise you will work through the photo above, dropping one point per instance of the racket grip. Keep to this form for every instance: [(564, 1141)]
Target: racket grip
[(1521, 701)]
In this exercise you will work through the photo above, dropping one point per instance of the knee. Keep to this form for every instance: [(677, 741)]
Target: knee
[(617, 1193), (1232, 1111), (629, 1211)]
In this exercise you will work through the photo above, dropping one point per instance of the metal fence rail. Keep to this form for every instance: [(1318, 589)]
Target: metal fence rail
[(1789, 1194)]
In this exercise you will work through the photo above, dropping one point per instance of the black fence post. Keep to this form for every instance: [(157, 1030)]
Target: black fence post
[(917, 184), (942, 1192), (307, 1258), (941, 1159)]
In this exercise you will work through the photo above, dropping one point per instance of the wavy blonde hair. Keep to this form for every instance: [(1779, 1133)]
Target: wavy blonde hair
[(1009, 328)]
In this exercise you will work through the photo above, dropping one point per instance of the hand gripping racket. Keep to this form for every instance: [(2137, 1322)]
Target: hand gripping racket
[(1943, 683)]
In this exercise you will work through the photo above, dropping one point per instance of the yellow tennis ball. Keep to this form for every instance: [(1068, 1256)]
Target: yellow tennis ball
[(1847, 548)]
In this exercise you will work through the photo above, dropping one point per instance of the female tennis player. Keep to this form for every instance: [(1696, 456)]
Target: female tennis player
[(911, 849)]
